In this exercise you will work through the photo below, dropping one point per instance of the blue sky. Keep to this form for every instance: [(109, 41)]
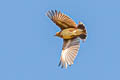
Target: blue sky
[(29, 51)]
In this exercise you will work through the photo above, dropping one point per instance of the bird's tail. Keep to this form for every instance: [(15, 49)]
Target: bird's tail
[(82, 27)]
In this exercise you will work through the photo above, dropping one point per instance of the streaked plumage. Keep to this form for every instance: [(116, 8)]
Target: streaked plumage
[(71, 33)]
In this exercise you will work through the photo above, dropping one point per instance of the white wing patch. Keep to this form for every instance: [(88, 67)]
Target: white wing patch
[(69, 52)]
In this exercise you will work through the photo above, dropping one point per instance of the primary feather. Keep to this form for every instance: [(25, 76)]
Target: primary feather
[(61, 19), (69, 51)]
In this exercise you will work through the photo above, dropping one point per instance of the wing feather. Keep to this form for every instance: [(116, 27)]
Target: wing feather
[(69, 52), (61, 19)]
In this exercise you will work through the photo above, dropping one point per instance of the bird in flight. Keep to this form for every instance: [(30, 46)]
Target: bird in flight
[(71, 33)]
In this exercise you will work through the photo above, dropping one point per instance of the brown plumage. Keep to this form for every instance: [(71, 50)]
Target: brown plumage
[(71, 33), (61, 20)]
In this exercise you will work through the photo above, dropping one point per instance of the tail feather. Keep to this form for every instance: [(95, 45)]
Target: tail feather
[(84, 34), (81, 26)]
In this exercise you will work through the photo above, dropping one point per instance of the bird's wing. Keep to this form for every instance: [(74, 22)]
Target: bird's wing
[(61, 19), (69, 52)]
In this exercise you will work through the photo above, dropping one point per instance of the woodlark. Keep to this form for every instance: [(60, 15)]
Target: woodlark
[(71, 33)]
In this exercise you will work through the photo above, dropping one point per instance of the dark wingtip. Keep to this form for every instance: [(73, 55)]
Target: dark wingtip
[(59, 63), (50, 14), (62, 65)]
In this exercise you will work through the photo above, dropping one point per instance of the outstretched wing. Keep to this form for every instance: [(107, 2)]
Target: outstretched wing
[(69, 52), (61, 19)]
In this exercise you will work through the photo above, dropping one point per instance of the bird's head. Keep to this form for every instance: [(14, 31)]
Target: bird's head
[(57, 34)]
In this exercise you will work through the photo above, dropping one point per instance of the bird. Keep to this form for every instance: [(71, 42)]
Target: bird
[(71, 33)]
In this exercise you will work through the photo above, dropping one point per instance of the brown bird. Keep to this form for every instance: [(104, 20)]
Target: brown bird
[(71, 33)]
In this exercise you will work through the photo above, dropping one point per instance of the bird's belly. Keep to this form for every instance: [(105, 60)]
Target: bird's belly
[(70, 33), (67, 34)]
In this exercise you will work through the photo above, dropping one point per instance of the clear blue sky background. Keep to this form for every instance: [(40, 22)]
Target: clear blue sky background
[(29, 51)]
